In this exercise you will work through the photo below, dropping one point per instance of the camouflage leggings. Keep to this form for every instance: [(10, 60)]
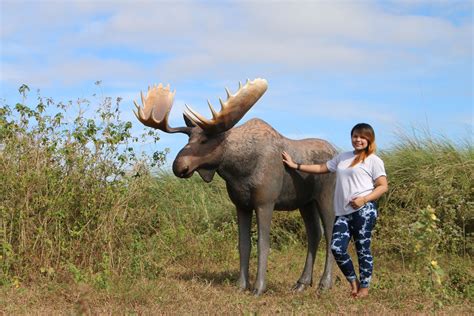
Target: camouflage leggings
[(358, 225)]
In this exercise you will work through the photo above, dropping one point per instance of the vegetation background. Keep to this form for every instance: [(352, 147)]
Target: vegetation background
[(88, 226)]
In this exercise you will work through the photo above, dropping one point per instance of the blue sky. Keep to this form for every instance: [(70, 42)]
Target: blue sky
[(330, 64)]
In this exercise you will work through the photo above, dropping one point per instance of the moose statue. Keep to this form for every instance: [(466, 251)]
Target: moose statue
[(248, 158)]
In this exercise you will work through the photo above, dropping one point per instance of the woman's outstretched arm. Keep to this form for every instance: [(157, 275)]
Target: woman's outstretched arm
[(318, 168)]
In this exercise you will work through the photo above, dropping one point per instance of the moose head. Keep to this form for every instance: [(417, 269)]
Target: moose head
[(204, 151)]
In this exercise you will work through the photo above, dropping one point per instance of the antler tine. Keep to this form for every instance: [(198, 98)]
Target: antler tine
[(141, 96), (214, 113), (233, 109), (222, 104), (156, 108), (198, 116), (139, 109), (191, 115)]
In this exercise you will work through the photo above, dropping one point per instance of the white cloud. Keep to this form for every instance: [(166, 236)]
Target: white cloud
[(202, 38), (70, 71)]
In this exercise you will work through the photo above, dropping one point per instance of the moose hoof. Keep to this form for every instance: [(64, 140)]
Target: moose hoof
[(258, 292), (325, 285), (243, 286), (300, 287)]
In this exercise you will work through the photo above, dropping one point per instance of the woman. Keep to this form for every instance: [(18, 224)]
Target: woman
[(360, 181)]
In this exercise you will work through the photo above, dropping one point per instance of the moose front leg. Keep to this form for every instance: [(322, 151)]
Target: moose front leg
[(244, 219), (264, 218)]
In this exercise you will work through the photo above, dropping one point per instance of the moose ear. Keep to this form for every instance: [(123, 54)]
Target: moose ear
[(188, 121)]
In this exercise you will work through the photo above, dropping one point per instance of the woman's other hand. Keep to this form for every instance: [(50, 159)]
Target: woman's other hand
[(358, 202)]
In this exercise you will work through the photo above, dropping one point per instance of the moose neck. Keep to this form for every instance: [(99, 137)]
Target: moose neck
[(240, 154)]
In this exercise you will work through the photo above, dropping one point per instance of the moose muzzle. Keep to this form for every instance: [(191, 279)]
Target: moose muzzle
[(182, 167)]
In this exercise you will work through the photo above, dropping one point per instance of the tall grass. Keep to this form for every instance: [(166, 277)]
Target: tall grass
[(426, 171)]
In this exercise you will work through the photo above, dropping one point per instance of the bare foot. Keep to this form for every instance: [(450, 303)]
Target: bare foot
[(354, 288), (363, 292)]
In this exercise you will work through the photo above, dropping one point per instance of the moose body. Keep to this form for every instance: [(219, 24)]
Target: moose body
[(248, 158)]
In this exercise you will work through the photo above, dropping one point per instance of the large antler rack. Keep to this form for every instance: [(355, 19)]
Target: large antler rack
[(156, 108), (232, 110)]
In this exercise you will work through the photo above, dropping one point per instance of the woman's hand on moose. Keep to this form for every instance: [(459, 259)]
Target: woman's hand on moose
[(357, 202), (288, 160)]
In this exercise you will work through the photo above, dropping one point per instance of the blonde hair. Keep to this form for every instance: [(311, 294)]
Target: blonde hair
[(367, 132)]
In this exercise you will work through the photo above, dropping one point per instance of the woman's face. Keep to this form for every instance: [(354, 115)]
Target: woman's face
[(358, 141)]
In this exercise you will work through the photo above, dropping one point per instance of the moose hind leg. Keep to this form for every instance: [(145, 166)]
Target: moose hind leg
[(244, 219), (313, 234), (325, 209)]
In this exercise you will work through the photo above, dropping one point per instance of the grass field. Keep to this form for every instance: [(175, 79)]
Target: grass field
[(208, 288)]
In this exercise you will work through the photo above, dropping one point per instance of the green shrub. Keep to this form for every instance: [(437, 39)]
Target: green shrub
[(68, 185)]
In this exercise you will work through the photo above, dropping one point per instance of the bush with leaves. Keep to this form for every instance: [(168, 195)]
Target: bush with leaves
[(69, 183)]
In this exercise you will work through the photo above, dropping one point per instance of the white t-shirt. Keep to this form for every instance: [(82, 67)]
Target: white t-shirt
[(353, 181)]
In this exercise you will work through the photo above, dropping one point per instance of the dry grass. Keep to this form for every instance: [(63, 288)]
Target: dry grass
[(207, 288)]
